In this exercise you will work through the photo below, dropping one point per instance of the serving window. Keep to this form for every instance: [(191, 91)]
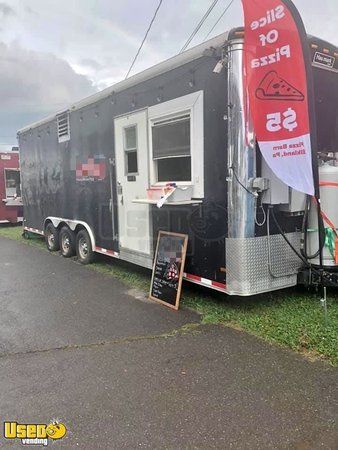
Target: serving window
[(171, 144), (12, 181), (176, 135)]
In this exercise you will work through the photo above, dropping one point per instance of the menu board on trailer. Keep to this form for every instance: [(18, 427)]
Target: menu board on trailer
[(166, 281)]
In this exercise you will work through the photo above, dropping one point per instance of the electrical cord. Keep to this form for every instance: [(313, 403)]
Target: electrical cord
[(254, 194), (272, 273), (261, 207), (320, 273)]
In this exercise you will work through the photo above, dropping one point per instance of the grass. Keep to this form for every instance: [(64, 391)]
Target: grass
[(291, 318)]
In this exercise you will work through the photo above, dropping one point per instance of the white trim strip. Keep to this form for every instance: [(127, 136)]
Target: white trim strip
[(187, 276), (205, 282), (34, 230), (105, 251)]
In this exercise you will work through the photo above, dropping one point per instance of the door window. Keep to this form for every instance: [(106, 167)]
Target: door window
[(130, 150)]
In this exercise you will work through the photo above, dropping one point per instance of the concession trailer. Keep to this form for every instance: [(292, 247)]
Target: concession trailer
[(10, 190), (172, 149)]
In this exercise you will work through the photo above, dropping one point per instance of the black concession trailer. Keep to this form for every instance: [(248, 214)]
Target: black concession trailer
[(93, 175)]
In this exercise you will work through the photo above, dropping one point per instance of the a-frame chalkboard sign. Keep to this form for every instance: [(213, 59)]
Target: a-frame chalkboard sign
[(166, 281)]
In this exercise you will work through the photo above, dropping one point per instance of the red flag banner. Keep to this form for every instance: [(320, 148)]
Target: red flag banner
[(276, 85)]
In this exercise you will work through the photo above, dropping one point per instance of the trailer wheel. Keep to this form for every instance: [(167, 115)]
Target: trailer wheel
[(52, 238), (84, 248), (67, 242)]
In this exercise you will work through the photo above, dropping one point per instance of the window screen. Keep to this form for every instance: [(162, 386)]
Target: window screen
[(171, 149), (174, 169), (171, 137), (130, 149)]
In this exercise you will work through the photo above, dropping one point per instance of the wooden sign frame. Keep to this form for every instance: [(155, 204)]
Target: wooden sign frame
[(179, 287)]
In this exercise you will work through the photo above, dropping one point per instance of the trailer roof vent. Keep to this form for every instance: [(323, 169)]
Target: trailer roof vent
[(63, 127)]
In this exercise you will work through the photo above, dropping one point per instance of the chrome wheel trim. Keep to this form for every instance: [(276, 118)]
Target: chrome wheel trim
[(83, 248), (65, 243), (50, 239)]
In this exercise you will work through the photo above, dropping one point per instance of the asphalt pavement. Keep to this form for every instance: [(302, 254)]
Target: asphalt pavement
[(124, 373)]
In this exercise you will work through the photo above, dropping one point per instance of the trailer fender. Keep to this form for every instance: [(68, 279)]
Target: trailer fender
[(72, 224)]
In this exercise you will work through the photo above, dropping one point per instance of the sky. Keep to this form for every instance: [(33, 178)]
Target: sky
[(53, 53)]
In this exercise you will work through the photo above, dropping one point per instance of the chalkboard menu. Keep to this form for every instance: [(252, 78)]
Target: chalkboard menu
[(168, 268)]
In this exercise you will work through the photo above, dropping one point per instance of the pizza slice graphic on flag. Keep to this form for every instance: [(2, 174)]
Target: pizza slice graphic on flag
[(273, 87)]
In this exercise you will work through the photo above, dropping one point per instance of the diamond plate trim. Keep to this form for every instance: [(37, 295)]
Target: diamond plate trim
[(248, 268)]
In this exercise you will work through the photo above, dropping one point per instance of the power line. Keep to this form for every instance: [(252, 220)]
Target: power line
[(201, 22), (218, 20), (144, 39)]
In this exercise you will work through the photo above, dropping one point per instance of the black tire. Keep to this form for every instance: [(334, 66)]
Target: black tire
[(67, 242), (52, 238), (84, 248)]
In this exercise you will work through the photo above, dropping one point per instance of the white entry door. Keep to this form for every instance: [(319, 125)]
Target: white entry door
[(132, 174)]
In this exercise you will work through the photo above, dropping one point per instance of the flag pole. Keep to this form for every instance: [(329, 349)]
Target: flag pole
[(313, 134)]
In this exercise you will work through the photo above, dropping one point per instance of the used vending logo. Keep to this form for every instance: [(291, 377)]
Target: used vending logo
[(34, 433)]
